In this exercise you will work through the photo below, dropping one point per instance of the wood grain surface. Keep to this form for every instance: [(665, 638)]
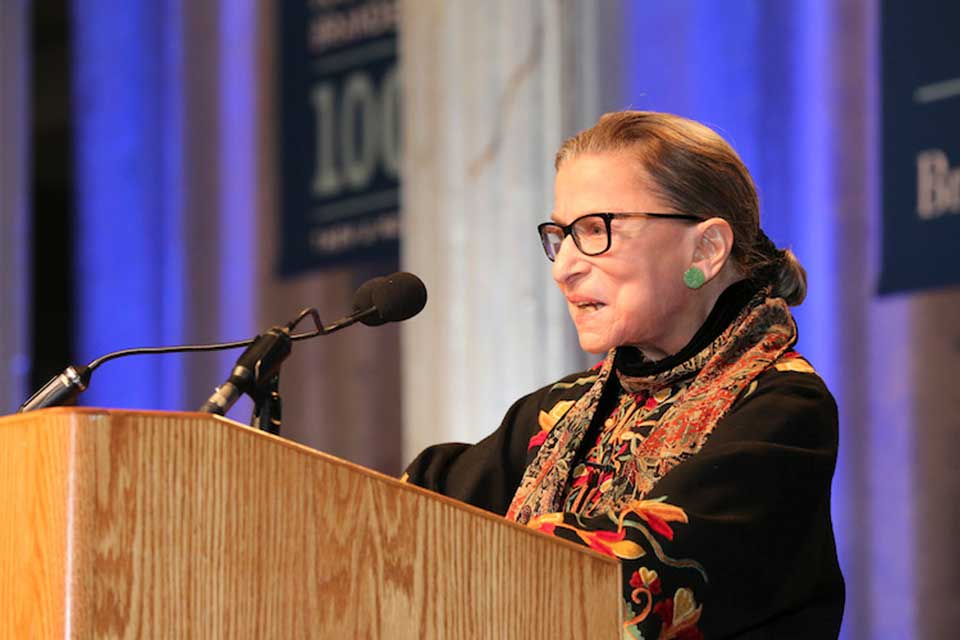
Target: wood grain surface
[(146, 524)]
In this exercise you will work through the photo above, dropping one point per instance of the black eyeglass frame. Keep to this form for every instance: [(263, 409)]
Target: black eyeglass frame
[(606, 217)]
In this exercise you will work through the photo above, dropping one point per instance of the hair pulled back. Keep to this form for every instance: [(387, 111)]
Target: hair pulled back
[(695, 171)]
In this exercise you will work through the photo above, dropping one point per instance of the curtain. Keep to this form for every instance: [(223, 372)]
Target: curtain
[(15, 333)]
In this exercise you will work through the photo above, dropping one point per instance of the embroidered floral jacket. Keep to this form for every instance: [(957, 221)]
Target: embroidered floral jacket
[(722, 522)]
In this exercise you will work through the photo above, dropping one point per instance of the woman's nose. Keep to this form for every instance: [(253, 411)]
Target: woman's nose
[(569, 261)]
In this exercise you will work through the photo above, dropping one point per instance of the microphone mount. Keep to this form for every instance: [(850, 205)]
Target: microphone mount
[(257, 372)]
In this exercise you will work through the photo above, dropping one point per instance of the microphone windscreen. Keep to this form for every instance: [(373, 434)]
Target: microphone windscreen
[(363, 301), (398, 297)]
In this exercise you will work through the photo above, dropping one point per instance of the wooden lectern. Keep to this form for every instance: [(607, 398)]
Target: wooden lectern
[(148, 524)]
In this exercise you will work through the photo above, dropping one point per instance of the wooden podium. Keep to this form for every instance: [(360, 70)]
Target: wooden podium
[(149, 524)]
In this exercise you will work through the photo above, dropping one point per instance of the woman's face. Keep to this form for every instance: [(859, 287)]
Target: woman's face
[(634, 293)]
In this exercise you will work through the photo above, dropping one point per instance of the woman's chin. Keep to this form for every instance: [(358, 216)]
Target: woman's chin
[(594, 344)]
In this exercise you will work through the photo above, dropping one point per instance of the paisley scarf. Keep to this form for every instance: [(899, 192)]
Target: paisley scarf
[(705, 386)]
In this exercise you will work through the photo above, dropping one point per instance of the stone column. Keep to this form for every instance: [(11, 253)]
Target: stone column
[(14, 222), (491, 89)]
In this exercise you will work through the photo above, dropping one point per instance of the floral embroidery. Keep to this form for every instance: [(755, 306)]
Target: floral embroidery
[(753, 387), (679, 616), (575, 383), (793, 361), (625, 428), (538, 439), (611, 543), (632, 537), (546, 420)]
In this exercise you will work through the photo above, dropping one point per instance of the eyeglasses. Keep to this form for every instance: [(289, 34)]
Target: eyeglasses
[(591, 233)]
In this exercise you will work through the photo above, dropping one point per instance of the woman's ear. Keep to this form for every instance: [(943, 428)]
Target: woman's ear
[(713, 246)]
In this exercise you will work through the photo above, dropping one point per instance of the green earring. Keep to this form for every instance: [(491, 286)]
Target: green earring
[(694, 277)]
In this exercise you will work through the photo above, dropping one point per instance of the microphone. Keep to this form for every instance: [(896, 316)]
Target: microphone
[(61, 389), (363, 306), (392, 298)]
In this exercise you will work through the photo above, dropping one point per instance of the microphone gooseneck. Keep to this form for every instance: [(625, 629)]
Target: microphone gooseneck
[(64, 387)]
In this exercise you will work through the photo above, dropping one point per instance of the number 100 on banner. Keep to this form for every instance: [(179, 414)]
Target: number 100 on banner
[(340, 139)]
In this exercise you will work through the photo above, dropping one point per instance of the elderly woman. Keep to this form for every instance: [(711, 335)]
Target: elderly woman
[(700, 450)]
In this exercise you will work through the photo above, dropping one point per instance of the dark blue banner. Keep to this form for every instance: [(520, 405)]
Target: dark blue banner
[(339, 132), (921, 145)]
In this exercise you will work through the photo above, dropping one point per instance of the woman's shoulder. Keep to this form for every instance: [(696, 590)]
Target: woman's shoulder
[(789, 402), (789, 377)]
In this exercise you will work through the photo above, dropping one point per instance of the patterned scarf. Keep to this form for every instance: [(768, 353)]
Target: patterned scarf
[(762, 332)]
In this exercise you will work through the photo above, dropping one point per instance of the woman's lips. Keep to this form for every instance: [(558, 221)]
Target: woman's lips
[(585, 304)]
